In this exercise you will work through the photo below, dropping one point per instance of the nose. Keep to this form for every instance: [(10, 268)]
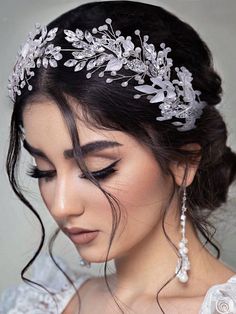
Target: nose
[(68, 198)]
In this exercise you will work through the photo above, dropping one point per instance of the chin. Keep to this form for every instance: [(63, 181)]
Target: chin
[(93, 255)]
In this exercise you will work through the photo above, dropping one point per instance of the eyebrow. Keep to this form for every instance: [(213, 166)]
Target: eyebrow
[(86, 149)]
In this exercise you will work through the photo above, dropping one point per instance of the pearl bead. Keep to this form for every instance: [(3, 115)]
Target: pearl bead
[(183, 277)]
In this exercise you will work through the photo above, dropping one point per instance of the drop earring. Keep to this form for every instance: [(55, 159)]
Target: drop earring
[(85, 263), (181, 270)]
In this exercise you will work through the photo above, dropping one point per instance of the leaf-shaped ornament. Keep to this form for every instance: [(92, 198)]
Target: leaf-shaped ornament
[(79, 44), (79, 34), (38, 63), (177, 123), (71, 63), (25, 50), (163, 118), (171, 94), (53, 63), (158, 97), (149, 51), (71, 36), (43, 33), (52, 34), (88, 36), (56, 49), (80, 66), (45, 62), (91, 64), (22, 74), (78, 55), (49, 49), (114, 65), (128, 45), (101, 60), (146, 89), (159, 82), (58, 56)]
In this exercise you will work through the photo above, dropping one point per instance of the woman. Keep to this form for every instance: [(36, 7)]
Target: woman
[(115, 102)]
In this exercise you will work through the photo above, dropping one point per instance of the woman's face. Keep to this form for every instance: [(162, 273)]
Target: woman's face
[(73, 201)]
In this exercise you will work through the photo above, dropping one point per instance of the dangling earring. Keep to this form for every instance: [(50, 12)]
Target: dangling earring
[(84, 263), (183, 250)]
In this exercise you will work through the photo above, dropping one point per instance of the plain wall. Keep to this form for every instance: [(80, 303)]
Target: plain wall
[(20, 231)]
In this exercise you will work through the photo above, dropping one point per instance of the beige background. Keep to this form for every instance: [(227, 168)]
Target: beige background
[(20, 232)]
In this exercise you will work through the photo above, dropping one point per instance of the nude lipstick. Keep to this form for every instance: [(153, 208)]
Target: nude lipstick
[(81, 236)]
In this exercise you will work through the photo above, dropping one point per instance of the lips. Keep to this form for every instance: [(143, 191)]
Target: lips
[(84, 237), (75, 230), (81, 235)]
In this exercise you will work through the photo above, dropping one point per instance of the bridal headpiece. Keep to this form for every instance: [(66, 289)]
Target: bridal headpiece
[(107, 51)]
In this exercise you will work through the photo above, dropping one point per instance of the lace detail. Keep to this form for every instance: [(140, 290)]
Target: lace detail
[(220, 299), (25, 299)]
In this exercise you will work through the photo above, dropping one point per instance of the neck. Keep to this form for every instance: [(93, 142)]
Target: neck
[(147, 267)]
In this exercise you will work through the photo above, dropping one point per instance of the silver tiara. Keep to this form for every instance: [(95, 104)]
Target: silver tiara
[(107, 51)]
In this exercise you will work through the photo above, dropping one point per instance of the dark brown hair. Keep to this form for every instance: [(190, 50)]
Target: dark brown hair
[(110, 106)]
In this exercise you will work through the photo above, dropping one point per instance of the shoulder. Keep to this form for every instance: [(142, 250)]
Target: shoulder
[(27, 298), (221, 298)]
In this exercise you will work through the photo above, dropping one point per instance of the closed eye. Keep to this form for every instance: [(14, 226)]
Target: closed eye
[(102, 174)]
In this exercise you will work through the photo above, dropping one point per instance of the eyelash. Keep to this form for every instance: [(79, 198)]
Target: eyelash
[(102, 174)]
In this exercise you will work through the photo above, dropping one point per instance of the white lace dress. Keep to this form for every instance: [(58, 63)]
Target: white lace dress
[(24, 299)]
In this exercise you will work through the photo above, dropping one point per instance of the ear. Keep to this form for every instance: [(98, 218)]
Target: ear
[(178, 168)]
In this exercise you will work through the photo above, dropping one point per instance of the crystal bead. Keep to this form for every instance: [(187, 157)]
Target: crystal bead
[(108, 21), (162, 45)]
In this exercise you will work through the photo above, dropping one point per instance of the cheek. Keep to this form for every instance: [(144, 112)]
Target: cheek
[(142, 195), (143, 189)]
